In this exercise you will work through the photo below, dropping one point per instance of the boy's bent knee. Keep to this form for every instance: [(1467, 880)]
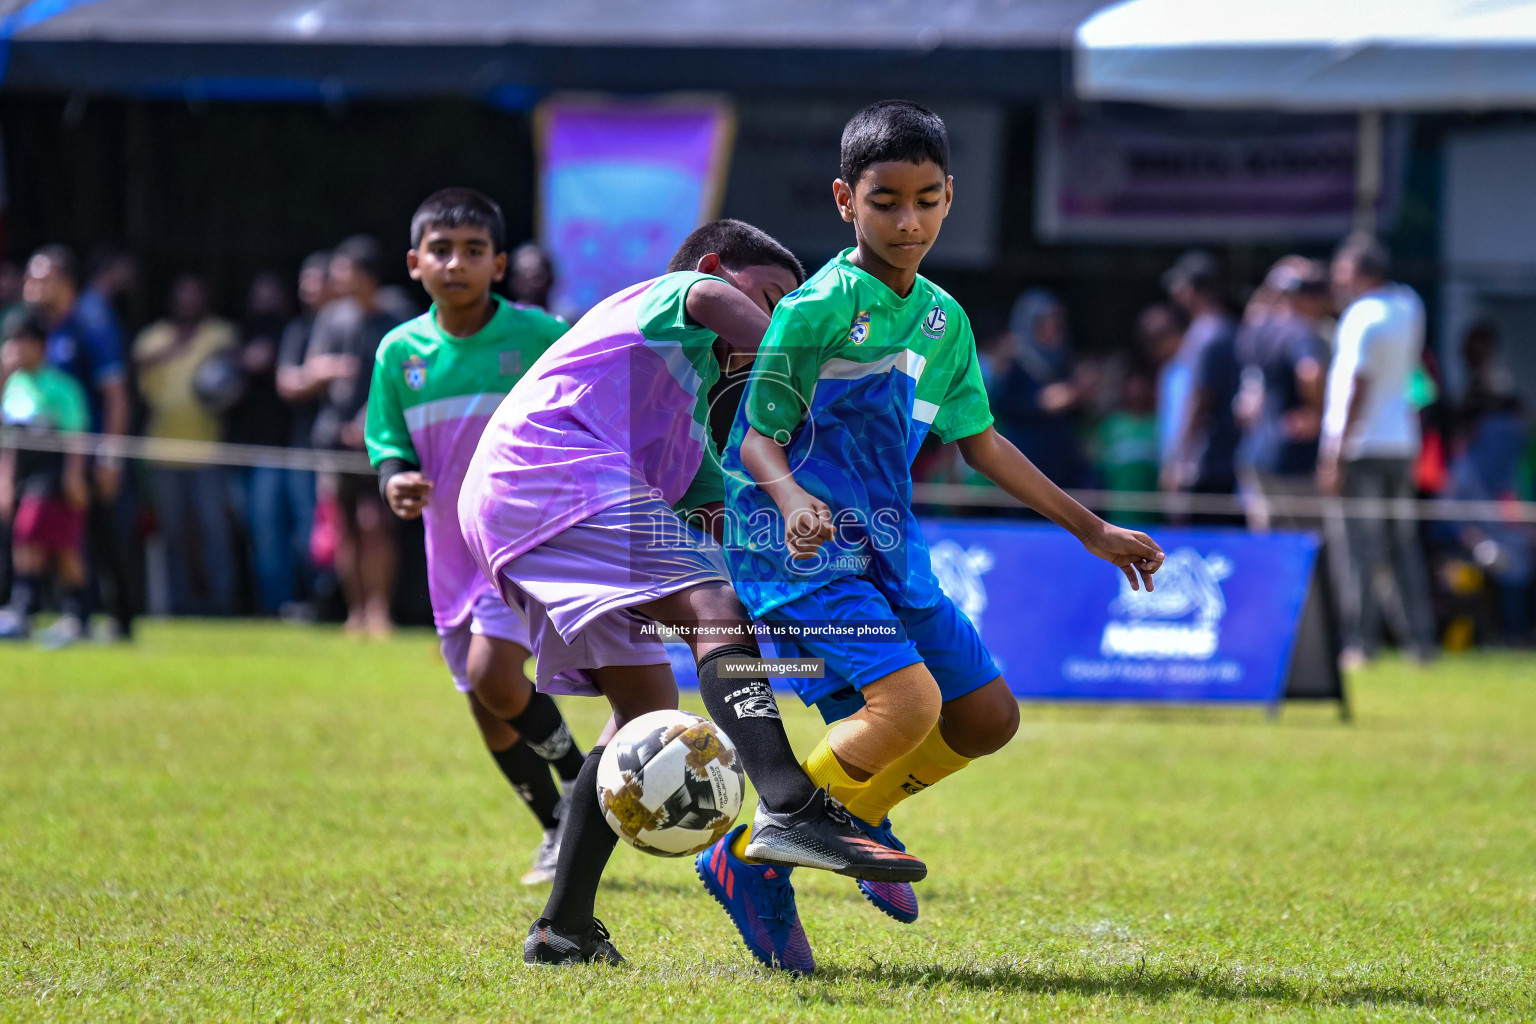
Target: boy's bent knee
[(495, 672), (981, 722), (899, 711), (907, 703)]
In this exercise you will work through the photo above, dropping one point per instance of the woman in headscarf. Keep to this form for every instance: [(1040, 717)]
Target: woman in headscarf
[(1034, 397)]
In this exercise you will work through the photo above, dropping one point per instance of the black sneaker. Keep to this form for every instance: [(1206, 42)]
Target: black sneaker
[(547, 946), (822, 835)]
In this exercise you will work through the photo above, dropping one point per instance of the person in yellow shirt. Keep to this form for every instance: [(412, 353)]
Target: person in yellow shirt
[(190, 502)]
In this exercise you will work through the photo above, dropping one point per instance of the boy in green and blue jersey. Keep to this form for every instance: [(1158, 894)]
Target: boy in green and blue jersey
[(857, 366)]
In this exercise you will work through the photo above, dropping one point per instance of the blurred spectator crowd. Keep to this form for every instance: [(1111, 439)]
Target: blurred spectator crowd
[(1319, 384), (188, 539)]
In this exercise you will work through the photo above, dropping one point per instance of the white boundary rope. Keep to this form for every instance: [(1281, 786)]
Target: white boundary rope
[(213, 453), (194, 453), (1295, 506)]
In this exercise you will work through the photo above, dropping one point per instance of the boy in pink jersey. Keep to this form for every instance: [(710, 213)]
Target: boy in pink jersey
[(436, 381), (570, 506)]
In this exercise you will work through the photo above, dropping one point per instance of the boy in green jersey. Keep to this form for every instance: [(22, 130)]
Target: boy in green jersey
[(857, 366), (436, 381)]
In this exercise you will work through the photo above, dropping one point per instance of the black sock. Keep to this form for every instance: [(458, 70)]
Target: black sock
[(745, 708), (529, 776), (24, 590), (584, 852), (542, 728), (73, 603)]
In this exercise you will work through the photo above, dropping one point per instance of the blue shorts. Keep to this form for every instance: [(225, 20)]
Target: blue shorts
[(941, 637)]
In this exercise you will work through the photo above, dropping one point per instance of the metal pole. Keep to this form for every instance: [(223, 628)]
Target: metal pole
[(1367, 171)]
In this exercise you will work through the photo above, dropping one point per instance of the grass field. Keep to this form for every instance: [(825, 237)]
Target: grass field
[(274, 823)]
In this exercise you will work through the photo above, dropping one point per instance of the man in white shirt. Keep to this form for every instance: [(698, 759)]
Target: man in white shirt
[(1370, 438)]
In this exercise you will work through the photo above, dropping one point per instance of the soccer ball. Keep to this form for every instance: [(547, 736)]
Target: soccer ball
[(670, 783), (218, 383)]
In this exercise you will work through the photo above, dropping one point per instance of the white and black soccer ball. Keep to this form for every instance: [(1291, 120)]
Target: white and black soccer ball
[(670, 783)]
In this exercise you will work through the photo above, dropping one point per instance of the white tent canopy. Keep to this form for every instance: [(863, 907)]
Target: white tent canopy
[(1311, 54)]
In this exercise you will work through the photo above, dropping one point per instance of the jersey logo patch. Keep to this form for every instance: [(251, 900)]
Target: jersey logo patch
[(511, 363), (934, 325), (415, 372), (859, 332)]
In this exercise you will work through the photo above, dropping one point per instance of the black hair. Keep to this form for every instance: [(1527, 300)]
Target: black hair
[(739, 245), (62, 257), (365, 252), (24, 323), (102, 257), (1369, 255), (892, 130), (316, 261), (457, 208), (1198, 269)]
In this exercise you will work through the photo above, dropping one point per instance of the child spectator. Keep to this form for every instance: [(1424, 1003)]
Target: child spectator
[(87, 344), (43, 493)]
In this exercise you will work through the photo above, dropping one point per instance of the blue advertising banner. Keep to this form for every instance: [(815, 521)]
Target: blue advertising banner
[(1221, 625)]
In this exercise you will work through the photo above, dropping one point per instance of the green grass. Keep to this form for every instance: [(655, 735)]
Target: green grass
[(262, 822)]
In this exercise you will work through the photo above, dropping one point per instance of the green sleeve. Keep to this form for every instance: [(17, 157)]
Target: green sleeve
[(74, 414), (663, 312), (965, 410), (784, 375), (385, 433), (708, 484)]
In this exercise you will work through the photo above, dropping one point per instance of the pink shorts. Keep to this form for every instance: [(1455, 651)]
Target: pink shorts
[(490, 617), (52, 524), (577, 589)]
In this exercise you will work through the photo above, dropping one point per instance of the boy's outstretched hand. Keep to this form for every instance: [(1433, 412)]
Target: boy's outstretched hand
[(408, 493), (1135, 553)]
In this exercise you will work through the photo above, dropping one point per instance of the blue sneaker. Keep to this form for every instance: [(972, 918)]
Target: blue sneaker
[(761, 903), (894, 898)]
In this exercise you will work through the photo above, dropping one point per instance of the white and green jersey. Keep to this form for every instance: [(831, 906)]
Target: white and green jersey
[(431, 397), (851, 377)]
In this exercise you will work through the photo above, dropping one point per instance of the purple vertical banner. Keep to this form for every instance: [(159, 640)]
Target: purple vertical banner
[(621, 184)]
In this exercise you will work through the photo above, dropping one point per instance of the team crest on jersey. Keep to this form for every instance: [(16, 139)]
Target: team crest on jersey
[(934, 325), (415, 372), (859, 332)]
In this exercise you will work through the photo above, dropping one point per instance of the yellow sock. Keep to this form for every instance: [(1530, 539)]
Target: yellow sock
[(907, 775), (826, 770), (739, 844)]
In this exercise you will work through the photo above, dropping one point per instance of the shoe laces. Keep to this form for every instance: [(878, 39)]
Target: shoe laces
[(779, 898), (835, 811), (599, 931)]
